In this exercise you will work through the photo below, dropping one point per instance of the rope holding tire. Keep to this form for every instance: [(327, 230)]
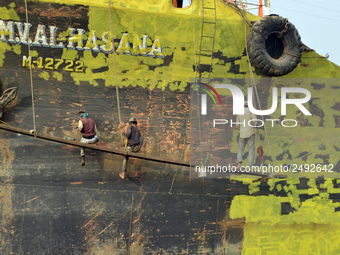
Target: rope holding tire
[(274, 46)]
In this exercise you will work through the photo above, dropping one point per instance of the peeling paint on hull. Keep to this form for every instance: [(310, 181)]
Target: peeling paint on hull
[(51, 205)]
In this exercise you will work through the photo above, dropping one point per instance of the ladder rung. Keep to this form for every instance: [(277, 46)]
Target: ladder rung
[(207, 50), (208, 36), (205, 56), (209, 8), (209, 22)]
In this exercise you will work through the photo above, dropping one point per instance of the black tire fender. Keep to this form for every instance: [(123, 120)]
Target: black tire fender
[(270, 54)]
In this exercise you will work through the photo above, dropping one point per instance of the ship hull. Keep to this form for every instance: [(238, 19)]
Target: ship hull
[(64, 62)]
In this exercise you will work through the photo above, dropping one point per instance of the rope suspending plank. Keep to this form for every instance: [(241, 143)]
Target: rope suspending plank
[(31, 75), (116, 152)]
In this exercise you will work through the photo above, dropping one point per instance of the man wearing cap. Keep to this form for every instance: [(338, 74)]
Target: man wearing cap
[(133, 142), (88, 129), (247, 136), (133, 135)]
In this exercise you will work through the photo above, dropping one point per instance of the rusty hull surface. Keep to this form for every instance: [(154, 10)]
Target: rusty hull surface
[(51, 205)]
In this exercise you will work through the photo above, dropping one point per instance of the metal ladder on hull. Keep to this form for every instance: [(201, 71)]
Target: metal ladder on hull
[(207, 42), (206, 52)]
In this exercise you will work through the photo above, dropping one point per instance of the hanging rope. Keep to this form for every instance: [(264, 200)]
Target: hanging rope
[(253, 84), (197, 63), (184, 146), (114, 64), (188, 121), (34, 131), (194, 37), (315, 150), (116, 77)]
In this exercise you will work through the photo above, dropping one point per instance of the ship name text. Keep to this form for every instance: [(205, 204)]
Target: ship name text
[(79, 39)]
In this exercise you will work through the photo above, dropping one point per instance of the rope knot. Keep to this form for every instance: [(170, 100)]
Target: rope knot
[(34, 132)]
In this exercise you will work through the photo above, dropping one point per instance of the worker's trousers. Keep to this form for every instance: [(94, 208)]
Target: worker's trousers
[(85, 140), (251, 149)]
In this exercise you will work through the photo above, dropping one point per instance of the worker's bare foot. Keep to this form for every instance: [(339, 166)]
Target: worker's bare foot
[(238, 166), (83, 162), (122, 175)]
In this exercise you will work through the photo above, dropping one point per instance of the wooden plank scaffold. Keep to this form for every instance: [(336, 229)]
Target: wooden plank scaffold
[(118, 152)]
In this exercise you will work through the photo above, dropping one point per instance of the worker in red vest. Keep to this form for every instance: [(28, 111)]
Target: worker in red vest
[(88, 129)]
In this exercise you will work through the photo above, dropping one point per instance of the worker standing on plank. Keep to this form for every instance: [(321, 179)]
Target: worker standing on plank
[(88, 129), (247, 136)]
